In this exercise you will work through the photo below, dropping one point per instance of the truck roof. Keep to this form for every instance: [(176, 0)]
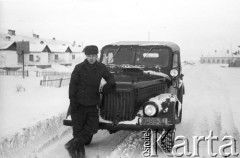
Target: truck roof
[(172, 45)]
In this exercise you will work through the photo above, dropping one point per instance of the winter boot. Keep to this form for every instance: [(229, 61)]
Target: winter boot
[(75, 148), (70, 148), (80, 152)]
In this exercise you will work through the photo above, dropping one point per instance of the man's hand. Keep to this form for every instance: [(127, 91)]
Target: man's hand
[(108, 88)]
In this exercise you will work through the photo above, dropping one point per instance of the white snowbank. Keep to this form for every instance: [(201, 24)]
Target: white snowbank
[(60, 68), (23, 109), (29, 112)]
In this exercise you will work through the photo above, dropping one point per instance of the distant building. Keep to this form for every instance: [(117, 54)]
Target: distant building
[(8, 54), (60, 54), (12, 32), (42, 51), (39, 54), (218, 58)]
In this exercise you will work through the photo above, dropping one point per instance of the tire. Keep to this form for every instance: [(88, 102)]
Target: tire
[(180, 98), (180, 95), (89, 141), (167, 140)]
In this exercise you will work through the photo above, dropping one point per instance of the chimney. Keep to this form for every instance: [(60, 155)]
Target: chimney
[(54, 38), (12, 32), (74, 43), (35, 35), (8, 38), (41, 42)]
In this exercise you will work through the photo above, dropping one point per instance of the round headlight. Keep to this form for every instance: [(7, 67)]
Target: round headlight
[(174, 72), (150, 110)]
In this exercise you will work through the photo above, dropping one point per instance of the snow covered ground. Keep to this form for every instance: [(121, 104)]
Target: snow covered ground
[(28, 111), (31, 104), (211, 102)]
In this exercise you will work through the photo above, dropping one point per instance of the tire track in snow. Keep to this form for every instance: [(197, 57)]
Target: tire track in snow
[(227, 121), (102, 145), (205, 104), (205, 107)]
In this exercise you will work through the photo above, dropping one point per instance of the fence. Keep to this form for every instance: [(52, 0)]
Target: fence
[(52, 73), (14, 73), (55, 81)]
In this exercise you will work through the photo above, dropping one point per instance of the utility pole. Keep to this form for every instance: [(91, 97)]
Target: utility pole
[(23, 48), (23, 63)]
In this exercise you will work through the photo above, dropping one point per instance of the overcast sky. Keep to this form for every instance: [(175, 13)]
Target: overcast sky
[(197, 26)]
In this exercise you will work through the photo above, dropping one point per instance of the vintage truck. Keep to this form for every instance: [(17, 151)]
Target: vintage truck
[(149, 88)]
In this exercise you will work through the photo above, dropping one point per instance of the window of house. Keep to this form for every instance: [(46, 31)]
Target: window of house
[(56, 57), (31, 58), (73, 56)]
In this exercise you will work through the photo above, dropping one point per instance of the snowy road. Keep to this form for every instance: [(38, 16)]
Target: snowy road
[(102, 145), (211, 103)]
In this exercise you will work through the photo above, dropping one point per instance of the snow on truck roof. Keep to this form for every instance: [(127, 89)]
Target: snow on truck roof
[(171, 45)]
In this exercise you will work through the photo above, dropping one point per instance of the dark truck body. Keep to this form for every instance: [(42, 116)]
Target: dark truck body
[(146, 78)]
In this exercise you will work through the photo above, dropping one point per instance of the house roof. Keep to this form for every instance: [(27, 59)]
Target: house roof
[(58, 48), (76, 49), (172, 45), (37, 44), (5, 44), (37, 47)]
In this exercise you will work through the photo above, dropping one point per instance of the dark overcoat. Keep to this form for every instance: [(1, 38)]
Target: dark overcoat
[(85, 82)]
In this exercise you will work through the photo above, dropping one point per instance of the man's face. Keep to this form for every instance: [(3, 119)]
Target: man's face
[(92, 58)]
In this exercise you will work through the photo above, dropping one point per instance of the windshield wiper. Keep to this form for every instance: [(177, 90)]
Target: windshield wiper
[(115, 54), (146, 55)]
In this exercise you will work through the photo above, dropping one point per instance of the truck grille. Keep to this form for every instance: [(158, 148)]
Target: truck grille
[(146, 93), (118, 106), (124, 104)]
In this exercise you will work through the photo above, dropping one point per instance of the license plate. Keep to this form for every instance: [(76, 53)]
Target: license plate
[(154, 121)]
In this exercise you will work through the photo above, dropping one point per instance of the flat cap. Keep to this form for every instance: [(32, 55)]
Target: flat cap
[(90, 50)]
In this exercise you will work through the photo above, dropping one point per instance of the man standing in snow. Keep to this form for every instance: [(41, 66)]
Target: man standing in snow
[(84, 98)]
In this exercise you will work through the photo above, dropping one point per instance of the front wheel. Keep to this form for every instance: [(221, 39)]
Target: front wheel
[(180, 98), (180, 95)]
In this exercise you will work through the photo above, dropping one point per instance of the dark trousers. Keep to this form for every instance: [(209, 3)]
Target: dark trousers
[(85, 122)]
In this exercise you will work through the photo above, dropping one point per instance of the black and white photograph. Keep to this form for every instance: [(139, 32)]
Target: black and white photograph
[(119, 78)]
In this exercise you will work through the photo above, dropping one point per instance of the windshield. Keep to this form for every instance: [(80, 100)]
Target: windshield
[(136, 56)]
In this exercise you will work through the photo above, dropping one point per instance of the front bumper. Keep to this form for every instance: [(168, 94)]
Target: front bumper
[(118, 127), (134, 127)]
